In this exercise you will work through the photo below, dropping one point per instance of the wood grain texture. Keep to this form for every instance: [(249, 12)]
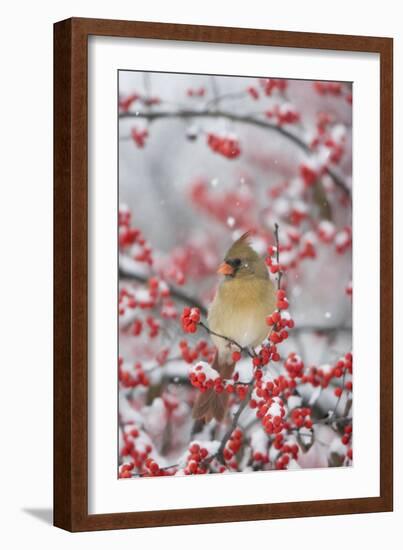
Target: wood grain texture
[(62, 411), (70, 274), (386, 275)]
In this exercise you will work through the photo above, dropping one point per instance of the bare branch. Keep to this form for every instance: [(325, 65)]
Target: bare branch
[(230, 340)]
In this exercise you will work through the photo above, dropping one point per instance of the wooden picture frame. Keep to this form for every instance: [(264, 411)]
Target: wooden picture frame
[(70, 274)]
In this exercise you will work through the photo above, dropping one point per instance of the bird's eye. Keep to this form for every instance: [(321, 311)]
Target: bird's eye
[(237, 262)]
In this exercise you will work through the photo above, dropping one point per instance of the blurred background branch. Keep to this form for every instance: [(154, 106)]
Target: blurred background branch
[(243, 119)]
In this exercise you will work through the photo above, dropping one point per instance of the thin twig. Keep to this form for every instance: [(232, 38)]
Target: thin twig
[(234, 422), (230, 340), (280, 273)]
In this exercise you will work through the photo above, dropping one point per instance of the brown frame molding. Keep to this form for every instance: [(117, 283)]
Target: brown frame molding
[(70, 273)]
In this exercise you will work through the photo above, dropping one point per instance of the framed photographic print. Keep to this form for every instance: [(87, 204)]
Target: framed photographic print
[(223, 274)]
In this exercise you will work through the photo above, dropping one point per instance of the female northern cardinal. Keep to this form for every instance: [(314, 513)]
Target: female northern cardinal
[(243, 300)]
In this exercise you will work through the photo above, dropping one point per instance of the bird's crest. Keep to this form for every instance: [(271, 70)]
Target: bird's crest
[(242, 246), (245, 237)]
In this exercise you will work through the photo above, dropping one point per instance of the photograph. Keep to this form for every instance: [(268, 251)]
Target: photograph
[(235, 280)]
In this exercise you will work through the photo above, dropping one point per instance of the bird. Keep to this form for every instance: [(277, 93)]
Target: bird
[(244, 299)]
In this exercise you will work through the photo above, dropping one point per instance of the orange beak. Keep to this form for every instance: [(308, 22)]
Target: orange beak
[(225, 269)]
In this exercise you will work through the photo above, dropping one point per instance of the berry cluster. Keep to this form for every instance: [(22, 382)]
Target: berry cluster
[(139, 136), (162, 356), (329, 140), (287, 452), (259, 446), (125, 470), (240, 389), (157, 287), (271, 410), (269, 85), (323, 122), (127, 235), (308, 245), (232, 204), (127, 300), (190, 319), (300, 246), (294, 365), (154, 327), (131, 299), (137, 327), (151, 468), (298, 212), (143, 299), (283, 114), (268, 352), (232, 447), (348, 433), (265, 390), (224, 145), (130, 237), (281, 320), (302, 417), (132, 378), (126, 102), (328, 88), (135, 447), (343, 240), (196, 92), (201, 349), (253, 92), (326, 231), (257, 456), (204, 377), (194, 461), (323, 375), (309, 173), (272, 263)]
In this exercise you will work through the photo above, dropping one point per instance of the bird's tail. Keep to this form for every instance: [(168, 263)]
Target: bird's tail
[(210, 404)]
